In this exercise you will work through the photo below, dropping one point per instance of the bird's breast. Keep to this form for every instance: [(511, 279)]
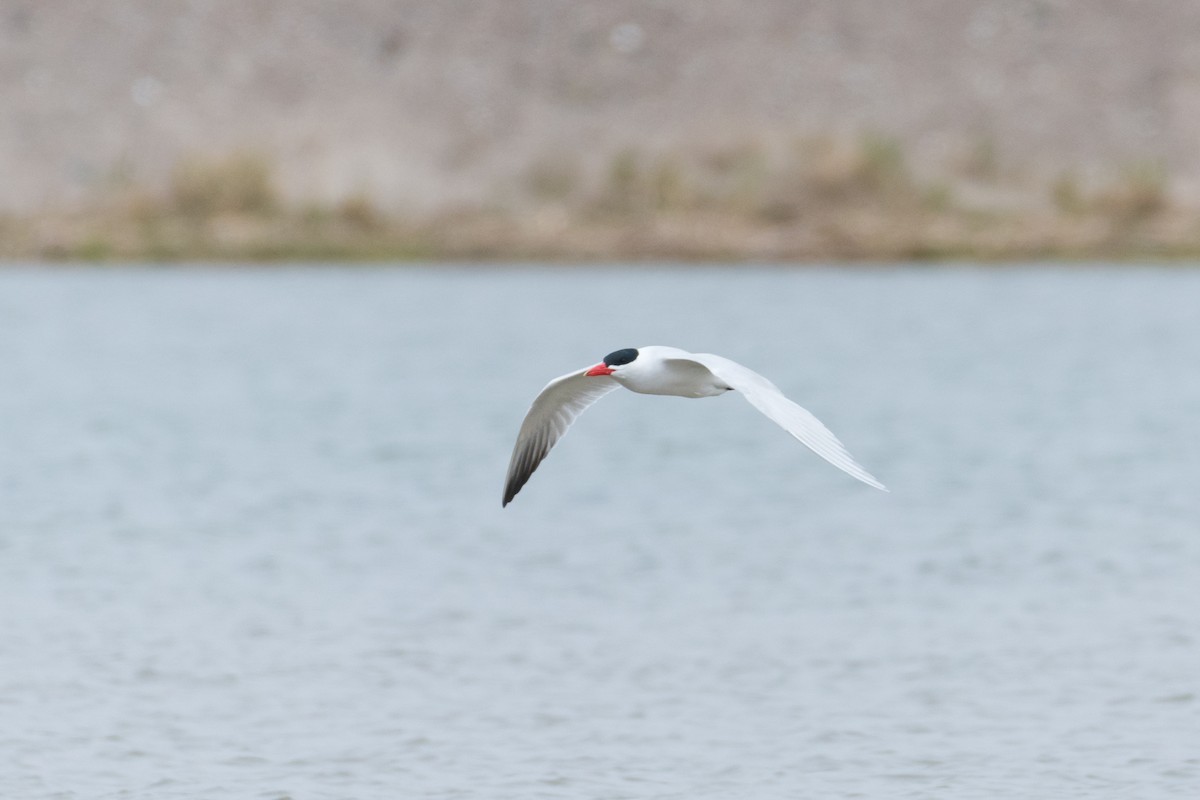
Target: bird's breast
[(676, 383)]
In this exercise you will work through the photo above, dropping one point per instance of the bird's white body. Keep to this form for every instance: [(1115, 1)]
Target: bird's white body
[(669, 371), (663, 371)]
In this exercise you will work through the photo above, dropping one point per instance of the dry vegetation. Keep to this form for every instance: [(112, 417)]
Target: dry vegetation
[(812, 199)]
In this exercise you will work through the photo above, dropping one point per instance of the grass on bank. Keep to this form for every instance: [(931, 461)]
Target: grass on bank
[(816, 198)]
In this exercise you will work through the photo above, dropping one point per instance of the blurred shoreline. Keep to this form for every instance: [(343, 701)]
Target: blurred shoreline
[(858, 129), (819, 199)]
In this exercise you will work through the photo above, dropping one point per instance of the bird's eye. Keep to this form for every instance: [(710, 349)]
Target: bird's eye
[(619, 357)]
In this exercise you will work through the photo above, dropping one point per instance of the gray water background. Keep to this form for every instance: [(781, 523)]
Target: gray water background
[(251, 542)]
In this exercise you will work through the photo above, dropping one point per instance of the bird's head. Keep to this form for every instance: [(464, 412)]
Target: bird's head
[(614, 362)]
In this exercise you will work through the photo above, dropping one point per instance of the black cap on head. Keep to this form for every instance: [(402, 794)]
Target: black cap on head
[(619, 357)]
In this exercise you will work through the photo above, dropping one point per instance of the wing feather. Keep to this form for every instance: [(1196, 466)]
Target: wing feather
[(800, 423), (552, 413)]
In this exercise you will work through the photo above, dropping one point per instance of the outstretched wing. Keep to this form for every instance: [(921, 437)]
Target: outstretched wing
[(548, 419), (766, 397)]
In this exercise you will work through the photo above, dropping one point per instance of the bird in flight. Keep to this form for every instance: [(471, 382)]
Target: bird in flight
[(666, 371)]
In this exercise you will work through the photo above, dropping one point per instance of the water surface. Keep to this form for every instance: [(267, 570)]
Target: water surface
[(251, 542)]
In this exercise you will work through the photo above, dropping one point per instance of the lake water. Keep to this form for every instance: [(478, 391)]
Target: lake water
[(251, 543)]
